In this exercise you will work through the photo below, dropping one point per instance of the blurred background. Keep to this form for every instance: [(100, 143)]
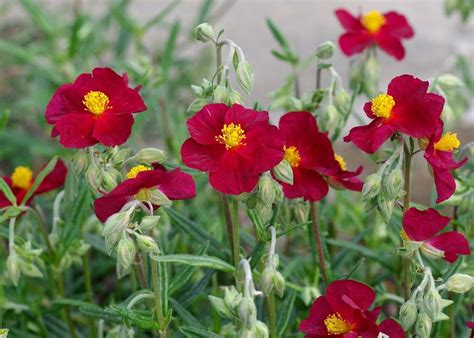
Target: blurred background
[(46, 43)]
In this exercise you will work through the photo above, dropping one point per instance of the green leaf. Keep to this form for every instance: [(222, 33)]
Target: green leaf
[(201, 261), (97, 312), (40, 17), (7, 192), (188, 298), (284, 314), (278, 36), (139, 318), (72, 302), (167, 57), (39, 179), (158, 18), (185, 315), (193, 332)]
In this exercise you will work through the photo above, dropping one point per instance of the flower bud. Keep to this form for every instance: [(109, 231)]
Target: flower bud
[(372, 186), (234, 97), (80, 161), (431, 252), (265, 190), (116, 223), (248, 312), (150, 155), (283, 172), (325, 50), (332, 118), (449, 81), (459, 283), (220, 307), (4, 333), (264, 211), (342, 101), (244, 75), (159, 198), (408, 314), (147, 243), (197, 105), (431, 304), (392, 184), (279, 284), (126, 252), (309, 294), (149, 222), (423, 326), (221, 94), (121, 155), (30, 269), (232, 297), (93, 177), (260, 330), (13, 268), (371, 76), (267, 279), (109, 180), (385, 208), (204, 32)]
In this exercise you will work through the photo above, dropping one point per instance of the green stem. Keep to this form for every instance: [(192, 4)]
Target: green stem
[(67, 309), (140, 271), (158, 306), (89, 291), (235, 233), (317, 238), (270, 300), (406, 205)]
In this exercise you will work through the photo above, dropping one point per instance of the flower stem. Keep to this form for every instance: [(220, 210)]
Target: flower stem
[(158, 306), (89, 291), (406, 205), (270, 300), (140, 271), (317, 238), (235, 232), (230, 228)]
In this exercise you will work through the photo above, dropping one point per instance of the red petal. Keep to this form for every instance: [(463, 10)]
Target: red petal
[(233, 181), (369, 138), (397, 25), (75, 130), (108, 205), (207, 123), (422, 225), (339, 292), (307, 184), (202, 157), (392, 329), (368, 110), (347, 20), (247, 118), (452, 243), (54, 179), (314, 323), (177, 185), (390, 44), (113, 130), (355, 42), (348, 180)]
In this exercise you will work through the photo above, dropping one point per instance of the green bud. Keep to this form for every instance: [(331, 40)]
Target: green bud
[(296, 104), (232, 297), (459, 283), (371, 76), (265, 189), (264, 211), (431, 251), (325, 50), (197, 104), (372, 186), (331, 118), (4, 333), (342, 101), (220, 307), (121, 155), (109, 180), (126, 252), (221, 94), (149, 222), (260, 330), (431, 304), (279, 284), (279, 196), (267, 280), (309, 294), (449, 82), (13, 268), (116, 223), (234, 97), (423, 326), (408, 314), (248, 312), (385, 208), (392, 184), (30, 269), (147, 243), (80, 161), (283, 172), (410, 248), (12, 211), (244, 75), (204, 32), (159, 198), (150, 155), (93, 177)]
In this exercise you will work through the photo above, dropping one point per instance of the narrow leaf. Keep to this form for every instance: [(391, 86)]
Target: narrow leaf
[(39, 179), (201, 261)]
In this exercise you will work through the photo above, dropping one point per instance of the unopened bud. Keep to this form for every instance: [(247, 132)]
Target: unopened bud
[(221, 94), (13, 268), (197, 104), (121, 155), (93, 177), (283, 172), (385, 208), (80, 161), (371, 76), (244, 75), (234, 97), (325, 50), (265, 190), (109, 180), (459, 283), (449, 81), (372, 186), (393, 184), (150, 155), (220, 307), (432, 303), (126, 252), (260, 330), (4, 333), (332, 118), (267, 280), (232, 297), (147, 243), (149, 222), (248, 312), (204, 32), (408, 314), (423, 325), (279, 284), (116, 223), (159, 198), (342, 101), (431, 251)]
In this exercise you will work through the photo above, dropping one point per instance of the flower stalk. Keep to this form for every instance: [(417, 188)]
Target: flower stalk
[(408, 154), (317, 238)]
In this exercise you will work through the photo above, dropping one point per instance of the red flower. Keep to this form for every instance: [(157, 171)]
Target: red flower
[(344, 312), (345, 179), (406, 108), (234, 145), (422, 226), (22, 179), (141, 184), (310, 155), (96, 108), (385, 30), (439, 154)]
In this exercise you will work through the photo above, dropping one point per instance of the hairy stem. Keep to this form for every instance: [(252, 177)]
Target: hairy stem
[(140, 271), (317, 238), (406, 204), (158, 306), (270, 300)]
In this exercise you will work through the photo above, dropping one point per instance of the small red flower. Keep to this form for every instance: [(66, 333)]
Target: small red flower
[(234, 145), (406, 108), (439, 154), (345, 179), (96, 108), (141, 184), (344, 312), (422, 226), (22, 179), (385, 30)]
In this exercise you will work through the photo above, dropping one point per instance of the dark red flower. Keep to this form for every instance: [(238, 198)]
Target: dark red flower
[(439, 154), (96, 108), (345, 179), (385, 30), (22, 179), (344, 312), (422, 226), (234, 145), (140, 185), (406, 108), (310, 155)]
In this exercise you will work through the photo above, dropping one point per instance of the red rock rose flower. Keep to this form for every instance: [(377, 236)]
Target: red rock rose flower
[(406, 108), (234, 145), (422, 226), (22, 179), (345, 179), (143, 184), (96, 108), (344, 312), (384, 30)]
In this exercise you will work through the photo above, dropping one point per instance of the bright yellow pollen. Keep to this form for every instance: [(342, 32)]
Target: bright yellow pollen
[(449, 142), (341, 161), (336, 325), (382, 105), (132, 173), (96, 102), (232, 136), (372, 21), (292, 155), (21, 177)]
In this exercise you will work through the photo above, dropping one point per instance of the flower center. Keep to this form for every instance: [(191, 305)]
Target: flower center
[(292, 155), (341, 161), (372, 21), (232, 136), (382, 105), (96, 102), (21, 177), (449, 142), (336, 325), (132, 173)]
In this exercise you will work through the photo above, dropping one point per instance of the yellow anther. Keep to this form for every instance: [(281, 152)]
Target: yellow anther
[(341, 161), (336, 325), (132, 173), (382, 105), (96, 102), (449, 142), (232, 136), (292, 155), (21, 177), (372, 21)]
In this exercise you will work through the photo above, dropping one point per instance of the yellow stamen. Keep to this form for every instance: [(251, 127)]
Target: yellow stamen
[(336, 325), (96, 102), (21, 177), (232, 136), (382, 105), (449, 142), (292, 155), (341, 161), (132, 173), (372, 21)]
